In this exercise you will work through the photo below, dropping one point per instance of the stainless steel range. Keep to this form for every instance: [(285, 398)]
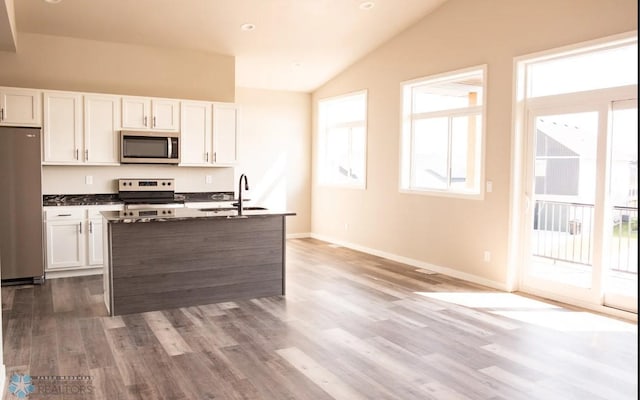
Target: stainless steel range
[(146, 194)]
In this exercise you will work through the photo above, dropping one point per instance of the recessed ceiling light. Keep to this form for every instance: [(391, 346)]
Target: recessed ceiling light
[(367, 5), (247, 27), (52, 1)]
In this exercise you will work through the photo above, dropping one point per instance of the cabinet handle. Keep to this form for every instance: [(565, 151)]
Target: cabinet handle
[(1, 114), (215, 156), (80, 224), (145, 120), (90, 226), (64, 215), (86, 154), (206, 158), (77, 155), (154, 122)]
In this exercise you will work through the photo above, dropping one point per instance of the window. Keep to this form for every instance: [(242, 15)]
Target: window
[(442, 133), (343, 140), (585, 69)]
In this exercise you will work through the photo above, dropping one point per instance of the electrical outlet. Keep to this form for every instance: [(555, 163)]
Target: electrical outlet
[(489, 186), (346, 227), (88, 180), (487, 256), (208, 179)]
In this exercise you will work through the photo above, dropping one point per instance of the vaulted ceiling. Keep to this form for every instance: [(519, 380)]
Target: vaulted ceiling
[(294, 44)]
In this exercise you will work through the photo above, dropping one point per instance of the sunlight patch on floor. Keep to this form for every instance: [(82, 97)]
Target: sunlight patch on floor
[(487, 300), (570, 321), (534, 312)]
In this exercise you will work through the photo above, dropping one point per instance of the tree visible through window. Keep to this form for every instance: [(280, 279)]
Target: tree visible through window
[(442, 133), (343, 140)]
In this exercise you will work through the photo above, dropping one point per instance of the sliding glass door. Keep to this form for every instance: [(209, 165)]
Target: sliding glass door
[(582, 196), (621, 236)]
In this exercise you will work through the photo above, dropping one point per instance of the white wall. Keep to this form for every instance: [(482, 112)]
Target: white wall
[(275, 152), (71, 179)]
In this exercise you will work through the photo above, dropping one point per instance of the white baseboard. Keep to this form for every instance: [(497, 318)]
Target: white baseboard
[(68, 273), (418, 264)]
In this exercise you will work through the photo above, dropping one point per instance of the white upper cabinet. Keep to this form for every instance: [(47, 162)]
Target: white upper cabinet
[(80, 129), (101, 129), (208, 134), (225, 133), (62, 136), (150, 114), (20, 107), (165, 114), (195, 133), (135, 112)]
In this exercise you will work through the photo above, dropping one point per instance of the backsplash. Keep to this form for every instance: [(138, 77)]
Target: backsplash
[(74, 179)]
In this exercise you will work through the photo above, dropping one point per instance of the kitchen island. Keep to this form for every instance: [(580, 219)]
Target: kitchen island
[(168, 258)]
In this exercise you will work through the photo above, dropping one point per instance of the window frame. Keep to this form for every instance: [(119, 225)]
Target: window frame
[(407, 136), (323, 137)]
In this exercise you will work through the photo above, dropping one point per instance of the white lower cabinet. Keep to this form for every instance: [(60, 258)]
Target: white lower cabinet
[(94, 239), (65, 238), (74, 240)]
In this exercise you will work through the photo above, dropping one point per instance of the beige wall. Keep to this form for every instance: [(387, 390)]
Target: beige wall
[(447, 232), (275, 151), (54, 62)]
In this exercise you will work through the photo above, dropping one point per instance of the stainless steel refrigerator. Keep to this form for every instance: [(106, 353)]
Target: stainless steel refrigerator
[(21, 239)]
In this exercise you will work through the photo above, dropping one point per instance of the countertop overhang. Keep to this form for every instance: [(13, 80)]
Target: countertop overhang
[(182, 214)]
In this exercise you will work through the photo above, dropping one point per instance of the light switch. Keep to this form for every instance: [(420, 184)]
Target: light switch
[(489, 186)]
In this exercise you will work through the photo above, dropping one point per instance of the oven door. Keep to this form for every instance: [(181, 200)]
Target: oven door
[(149, 148)]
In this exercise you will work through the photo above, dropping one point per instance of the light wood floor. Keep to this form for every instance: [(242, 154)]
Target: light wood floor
[(352, 326)]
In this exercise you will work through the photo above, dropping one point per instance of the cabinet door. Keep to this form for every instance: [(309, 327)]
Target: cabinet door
[(20, 107), (62, 127), (225, 130), (101, 126), (195, 133), (95, 248), (136, 112), (165, 114), (65, 244)]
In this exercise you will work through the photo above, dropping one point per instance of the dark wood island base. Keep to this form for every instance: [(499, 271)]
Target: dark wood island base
[(156, 265)]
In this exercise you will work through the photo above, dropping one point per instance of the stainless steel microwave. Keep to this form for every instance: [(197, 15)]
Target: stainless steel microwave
[(144, 147)]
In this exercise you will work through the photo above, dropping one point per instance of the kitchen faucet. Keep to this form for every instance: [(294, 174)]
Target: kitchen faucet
[(246, 187)]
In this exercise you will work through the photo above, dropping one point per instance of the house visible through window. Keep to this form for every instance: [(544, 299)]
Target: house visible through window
[(343, 140), (442, 133)]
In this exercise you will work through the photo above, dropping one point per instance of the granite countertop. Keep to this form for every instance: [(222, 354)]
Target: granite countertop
[(49, 200), (52, 200), (182, 214)]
